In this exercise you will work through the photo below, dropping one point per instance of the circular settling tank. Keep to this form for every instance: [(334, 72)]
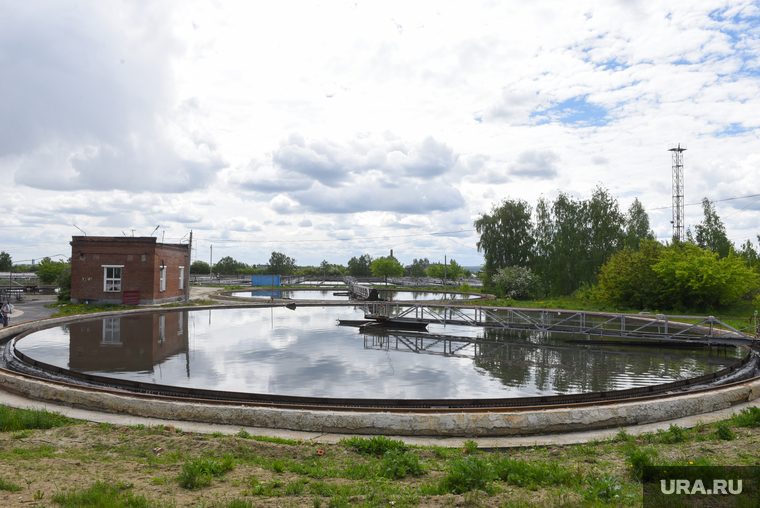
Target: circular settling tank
[(305, 353)]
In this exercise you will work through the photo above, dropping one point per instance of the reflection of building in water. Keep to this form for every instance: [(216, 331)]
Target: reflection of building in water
[(127, 343)]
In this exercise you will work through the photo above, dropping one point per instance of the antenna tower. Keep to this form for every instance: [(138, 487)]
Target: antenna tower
[(677, 149)]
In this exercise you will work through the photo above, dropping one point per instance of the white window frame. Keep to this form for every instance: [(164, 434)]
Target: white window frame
[(182, 277), (115, 282), (161, 329), (162, 279), (111, 332)]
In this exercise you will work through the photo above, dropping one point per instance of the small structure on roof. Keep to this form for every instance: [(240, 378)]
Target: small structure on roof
[(128, 270)]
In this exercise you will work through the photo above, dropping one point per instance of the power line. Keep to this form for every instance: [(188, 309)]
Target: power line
[(712, 201)]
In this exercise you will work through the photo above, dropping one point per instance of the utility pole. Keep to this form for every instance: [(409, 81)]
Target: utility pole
[(211, 260), (444, 277), (190, 263)]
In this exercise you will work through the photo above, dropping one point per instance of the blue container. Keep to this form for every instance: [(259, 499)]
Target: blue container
[(265, 280)]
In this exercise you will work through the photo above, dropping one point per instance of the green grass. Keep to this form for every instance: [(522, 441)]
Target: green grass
[(69, 309), (200, 472), (21, 419), (377, 445), (9, 486), (104, 495), (749, 417)]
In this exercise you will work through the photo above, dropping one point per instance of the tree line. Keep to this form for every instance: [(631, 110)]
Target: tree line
[(594, 249), (358, 266)]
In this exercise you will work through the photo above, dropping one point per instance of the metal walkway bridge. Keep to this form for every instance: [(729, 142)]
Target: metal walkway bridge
[(708, 330)]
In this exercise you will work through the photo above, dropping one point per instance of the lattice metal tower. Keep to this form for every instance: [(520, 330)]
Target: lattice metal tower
[(677, 150)]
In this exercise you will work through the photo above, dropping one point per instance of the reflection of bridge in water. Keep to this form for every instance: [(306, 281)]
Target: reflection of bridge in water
[(708, 330), (499, 350)]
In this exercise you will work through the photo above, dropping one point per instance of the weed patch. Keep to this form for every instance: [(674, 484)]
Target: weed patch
[(200, 472), (469, 473), (377, 445)]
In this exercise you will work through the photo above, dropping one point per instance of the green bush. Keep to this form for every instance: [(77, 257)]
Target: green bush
[(515, 282)]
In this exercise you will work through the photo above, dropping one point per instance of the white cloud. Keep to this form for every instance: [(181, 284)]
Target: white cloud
[(363, 119)]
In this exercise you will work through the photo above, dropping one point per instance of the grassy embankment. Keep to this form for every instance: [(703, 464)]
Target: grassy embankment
[(49, 460)]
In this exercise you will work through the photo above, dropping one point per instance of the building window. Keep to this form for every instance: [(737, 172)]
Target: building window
[(111, 331), (182, 277), (112, 279), (162, 275), (161, 329)]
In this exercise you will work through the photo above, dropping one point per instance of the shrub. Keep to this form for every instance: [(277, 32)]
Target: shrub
[(517, 282)]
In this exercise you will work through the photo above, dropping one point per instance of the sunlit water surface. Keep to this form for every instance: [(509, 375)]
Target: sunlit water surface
[(304, 352)]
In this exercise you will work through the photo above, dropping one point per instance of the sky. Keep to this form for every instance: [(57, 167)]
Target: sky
[(327, 130)]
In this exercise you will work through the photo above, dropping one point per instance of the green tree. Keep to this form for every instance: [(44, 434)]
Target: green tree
[(506, 235), (64, 284), (324, 268), (6, 263), (750, 255), (280, 264), (200, 267), (628, 279), (417, 269), (695, 278), (360, 267), (544, 245), (228, 266), (49, 270), (606, 227), (711, 233), (637, 225), (452, 270), (681, 276), (387, 267)]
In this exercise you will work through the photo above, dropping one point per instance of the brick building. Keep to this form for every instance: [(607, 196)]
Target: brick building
[(128, 269)]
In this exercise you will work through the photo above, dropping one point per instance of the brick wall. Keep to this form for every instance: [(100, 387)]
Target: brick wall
[(140, 260)]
